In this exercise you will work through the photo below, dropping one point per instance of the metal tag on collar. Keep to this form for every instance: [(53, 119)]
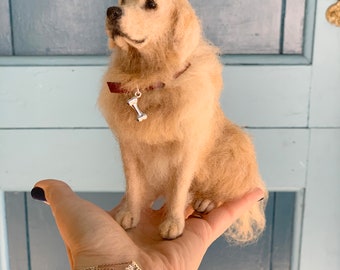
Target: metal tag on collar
[(133, 102)]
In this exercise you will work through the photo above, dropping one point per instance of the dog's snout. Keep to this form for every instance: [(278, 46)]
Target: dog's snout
[(114, 13)]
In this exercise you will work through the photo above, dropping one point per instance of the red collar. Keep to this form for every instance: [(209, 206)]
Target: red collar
[(116, 87)]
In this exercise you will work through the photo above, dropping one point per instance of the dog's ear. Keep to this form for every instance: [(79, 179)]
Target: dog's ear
[(187, 30)]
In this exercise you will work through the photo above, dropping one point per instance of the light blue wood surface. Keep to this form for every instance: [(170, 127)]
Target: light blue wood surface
[(294, 21), (89, 159), (57, 27), (281, 31), (242, 26), (237, 27), (325, 94), (264, 96), (321, 226), (282, 156), (4, 248), (267, 96), (5, 29), (50, 97), (281, 253), (320, 233), (17, 231)]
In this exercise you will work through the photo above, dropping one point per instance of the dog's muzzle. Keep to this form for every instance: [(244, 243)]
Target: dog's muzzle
[(114, 14)]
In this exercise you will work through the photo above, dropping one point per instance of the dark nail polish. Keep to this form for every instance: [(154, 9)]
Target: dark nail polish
[(38, 193), (261, 199)]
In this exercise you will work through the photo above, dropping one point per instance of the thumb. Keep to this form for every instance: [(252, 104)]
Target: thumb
[(215, 223), (224, 216)]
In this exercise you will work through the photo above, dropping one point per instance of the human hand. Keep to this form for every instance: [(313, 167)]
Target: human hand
[(92, 237)]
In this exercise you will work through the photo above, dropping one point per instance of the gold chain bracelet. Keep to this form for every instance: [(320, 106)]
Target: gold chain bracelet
[(122, 266)]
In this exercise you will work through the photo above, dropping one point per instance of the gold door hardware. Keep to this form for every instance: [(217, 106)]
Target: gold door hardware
[(333, 14)]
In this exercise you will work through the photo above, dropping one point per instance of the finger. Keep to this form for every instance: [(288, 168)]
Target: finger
[(86, 229), (62, 200), (73, 215), (214, 224), (52, 191)]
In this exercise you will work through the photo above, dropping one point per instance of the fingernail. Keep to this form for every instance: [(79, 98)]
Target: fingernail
[(38, 193)]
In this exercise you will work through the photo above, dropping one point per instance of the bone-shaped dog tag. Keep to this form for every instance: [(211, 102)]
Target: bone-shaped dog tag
[(133, 102)]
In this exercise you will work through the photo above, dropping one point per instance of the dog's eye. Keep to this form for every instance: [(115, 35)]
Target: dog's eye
[(150, 4)]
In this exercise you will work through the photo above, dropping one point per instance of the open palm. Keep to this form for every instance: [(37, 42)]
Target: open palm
[(92, 237)]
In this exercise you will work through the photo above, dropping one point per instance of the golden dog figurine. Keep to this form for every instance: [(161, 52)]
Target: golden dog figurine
[(174, 139)]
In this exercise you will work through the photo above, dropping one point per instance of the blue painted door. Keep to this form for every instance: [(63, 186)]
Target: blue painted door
[(286, 93)]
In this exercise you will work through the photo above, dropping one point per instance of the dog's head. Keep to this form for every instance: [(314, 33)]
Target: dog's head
[(148, 25)]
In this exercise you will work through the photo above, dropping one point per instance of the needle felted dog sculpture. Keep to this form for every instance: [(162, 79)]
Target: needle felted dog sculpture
[(160, 97)]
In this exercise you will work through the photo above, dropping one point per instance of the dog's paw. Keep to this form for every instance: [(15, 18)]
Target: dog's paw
[(171, 228), (126, 219), (204, 205)]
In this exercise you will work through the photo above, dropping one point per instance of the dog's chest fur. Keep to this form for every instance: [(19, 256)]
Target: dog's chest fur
[(167, 110), (160, 110), (158, 165)]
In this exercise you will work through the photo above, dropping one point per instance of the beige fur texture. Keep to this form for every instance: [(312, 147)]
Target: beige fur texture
[(186, 151)]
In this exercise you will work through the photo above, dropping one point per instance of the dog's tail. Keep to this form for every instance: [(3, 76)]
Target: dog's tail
[(249, 227)]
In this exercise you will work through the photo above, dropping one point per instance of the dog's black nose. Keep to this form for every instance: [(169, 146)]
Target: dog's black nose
[(114, 13)]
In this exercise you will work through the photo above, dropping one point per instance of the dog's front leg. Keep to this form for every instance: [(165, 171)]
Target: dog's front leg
[(177, 198), (128, 214)]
